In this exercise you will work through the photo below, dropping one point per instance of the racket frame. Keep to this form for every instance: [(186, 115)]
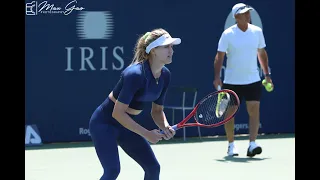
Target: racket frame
[(193, 112)]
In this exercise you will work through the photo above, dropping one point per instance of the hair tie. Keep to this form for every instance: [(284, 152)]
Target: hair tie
[(145, 36)]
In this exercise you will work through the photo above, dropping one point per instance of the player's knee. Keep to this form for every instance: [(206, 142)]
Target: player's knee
[(152, 171), (110, 173), (253, 108)]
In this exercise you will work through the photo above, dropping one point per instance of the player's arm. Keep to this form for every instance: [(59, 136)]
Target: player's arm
[(157, 112), (263, 59), (131, 83), (159, 116), (262, 54), (218, 61)]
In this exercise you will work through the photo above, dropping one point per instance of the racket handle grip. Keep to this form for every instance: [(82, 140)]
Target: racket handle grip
[(174, 127), (219, 88)]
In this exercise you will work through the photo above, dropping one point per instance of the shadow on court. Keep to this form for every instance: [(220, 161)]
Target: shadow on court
[(240, 159), (172, 141)]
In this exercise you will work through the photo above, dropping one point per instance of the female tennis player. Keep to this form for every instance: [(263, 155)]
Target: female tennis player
[(146, 79)]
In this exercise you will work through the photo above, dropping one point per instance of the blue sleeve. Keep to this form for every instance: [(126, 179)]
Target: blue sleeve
[(167, 79), (131, 82)]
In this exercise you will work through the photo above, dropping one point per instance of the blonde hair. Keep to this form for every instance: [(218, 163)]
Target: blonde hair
[(143, 41)]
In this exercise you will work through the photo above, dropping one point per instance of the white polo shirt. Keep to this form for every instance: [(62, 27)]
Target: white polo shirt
[(241, 50)]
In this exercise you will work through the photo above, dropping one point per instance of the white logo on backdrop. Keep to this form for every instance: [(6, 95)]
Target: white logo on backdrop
[(94, 25), (97, 26), (32, 136), (84, 131)]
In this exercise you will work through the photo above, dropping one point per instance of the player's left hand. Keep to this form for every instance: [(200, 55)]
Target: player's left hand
[(168, 132), (269, 80)]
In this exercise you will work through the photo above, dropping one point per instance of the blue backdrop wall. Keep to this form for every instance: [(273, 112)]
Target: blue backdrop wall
[(73, 61)]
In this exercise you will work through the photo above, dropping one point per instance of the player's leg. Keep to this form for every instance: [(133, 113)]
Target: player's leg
[(139, 149), (104, 138), (229, 126), (252, 96)]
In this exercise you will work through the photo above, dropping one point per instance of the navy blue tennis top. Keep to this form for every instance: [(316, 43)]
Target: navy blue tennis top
[(137, 86)]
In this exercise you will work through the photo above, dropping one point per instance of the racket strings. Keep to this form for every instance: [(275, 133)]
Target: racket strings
[(216, 108)]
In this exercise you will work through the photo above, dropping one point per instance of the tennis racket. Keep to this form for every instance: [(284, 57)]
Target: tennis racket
[(204, 113)]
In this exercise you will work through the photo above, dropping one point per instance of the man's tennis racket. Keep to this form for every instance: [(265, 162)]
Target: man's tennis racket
[(204, 112)]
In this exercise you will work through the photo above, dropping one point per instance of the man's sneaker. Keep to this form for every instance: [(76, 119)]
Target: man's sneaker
[(232, 151), (253, 150)]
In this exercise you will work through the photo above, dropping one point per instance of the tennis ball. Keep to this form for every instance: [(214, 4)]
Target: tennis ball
[(264, 82), (269, 87)]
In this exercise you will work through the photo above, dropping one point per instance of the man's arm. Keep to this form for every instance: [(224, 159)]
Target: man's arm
[(263, 60), (218, 62), (262, 54)]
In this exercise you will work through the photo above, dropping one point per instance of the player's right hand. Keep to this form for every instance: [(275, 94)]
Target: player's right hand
[(217, 82), (154, 136)]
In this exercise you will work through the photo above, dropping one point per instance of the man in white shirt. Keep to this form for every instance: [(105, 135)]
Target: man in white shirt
[(242, 43)]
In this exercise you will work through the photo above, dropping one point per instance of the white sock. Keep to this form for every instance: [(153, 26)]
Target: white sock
[(231, 143), (252, 143)]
